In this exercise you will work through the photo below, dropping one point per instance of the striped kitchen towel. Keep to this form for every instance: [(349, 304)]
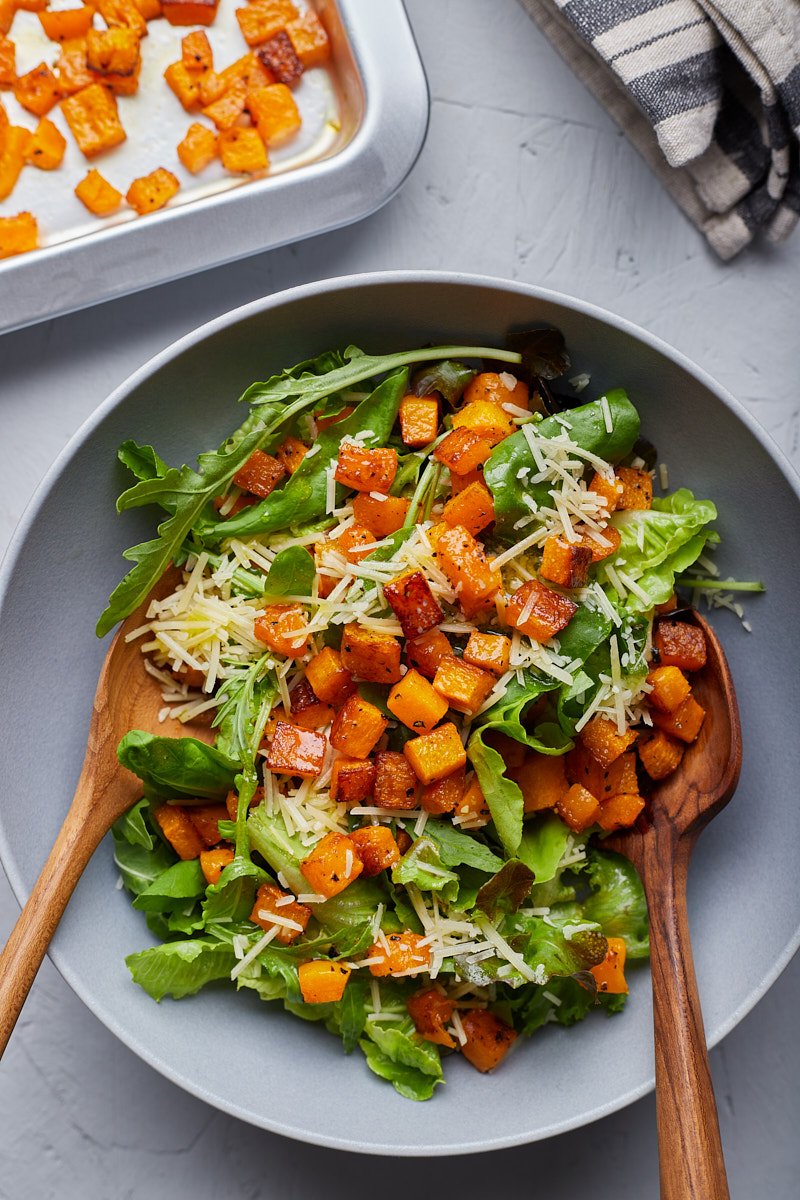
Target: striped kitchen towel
[(709, 93)]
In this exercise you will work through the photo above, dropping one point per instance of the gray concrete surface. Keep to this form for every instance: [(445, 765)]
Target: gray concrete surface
[(522, 176)]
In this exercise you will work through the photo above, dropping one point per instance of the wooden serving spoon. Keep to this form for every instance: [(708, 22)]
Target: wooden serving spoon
[(126, 698), (691, 1163)]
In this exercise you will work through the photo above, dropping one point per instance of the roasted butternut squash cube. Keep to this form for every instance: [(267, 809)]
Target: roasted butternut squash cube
[(190, 12), (436, 755), (122, 14), (601, 543), (94, 120), (8, 62), (462, 452), (98, 195), (669, 688), (46, 147), (443, 795), (357, 728), (296, 751), (542, 779), (486, 419), (227, 109), (365, 470), (472, 508), (260, 474), (185, 84), (610, 973), (680, 645), (33, 6), (232, 802), (512, 752), (463, 686), (68, 23), (659, 754), (578, 808), (419, 420), (332, 865), (431, 1011), (71, 70), (329, 678), (603, 782), (395, 782), (322, 981), (13, 148), (178, 831), (309, 39), (242, 152), (196, 52), (271, 911), (280, 58), (499, 389), (413, 603), (416, 703), (7, 10), (604, 741), (37, 90), (684, 723), (123, 85), (352, 780), (248, 70), (291, 453), (464, 562), (112, 51), (472, 811), (282, 627), (150, 9), (214, 862), (306, 709), (381, 517), (427, 651), (18, 234), (399, 954), (198, 148), (620, 811), (538, 611), (609, 489), (637, 489), (376, 848), (354, 544), (489, 651), (369, 655), (459, 483), (488, 1039), (262, 19), (566, 563), (206, 819)]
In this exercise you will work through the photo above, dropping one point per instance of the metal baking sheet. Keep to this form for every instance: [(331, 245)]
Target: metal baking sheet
[(364, 122)]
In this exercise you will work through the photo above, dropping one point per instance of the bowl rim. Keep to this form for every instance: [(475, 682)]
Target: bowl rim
[(13, 553)]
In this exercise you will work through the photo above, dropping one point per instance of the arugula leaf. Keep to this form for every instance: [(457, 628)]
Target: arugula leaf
[(304, 496), (142, 461), (133, 827), (180, 968), (457, 848), (181, 882), (233, 896), (291, 574), (449, 379), (350, 1015), (175, 767), (506, 890), (617, 901), (137, 864), (586, 427), (422, 866), (244, 712), (184, 493), (358, 367)]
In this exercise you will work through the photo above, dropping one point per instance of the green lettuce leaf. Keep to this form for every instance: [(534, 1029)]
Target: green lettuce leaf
[(544, 841), (506, 890), (177, 767), (180, 883), (617, 901), (291, 574), (138, 865), (422, 866), (461, 849), (233, 896), (180, 968)]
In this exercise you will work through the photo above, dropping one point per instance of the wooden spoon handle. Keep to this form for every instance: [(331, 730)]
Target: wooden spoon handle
[(691, 1162), (30, 937)]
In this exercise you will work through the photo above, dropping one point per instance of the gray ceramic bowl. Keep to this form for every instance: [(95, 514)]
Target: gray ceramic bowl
[(269, 1068)]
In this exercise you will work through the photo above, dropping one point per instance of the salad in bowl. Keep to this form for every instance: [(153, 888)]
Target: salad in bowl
[(424, 611)]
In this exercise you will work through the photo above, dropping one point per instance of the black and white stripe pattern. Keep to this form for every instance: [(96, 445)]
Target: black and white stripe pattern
[(709, 92)]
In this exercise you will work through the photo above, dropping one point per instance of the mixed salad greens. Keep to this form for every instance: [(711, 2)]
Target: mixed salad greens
[(427, 615)]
